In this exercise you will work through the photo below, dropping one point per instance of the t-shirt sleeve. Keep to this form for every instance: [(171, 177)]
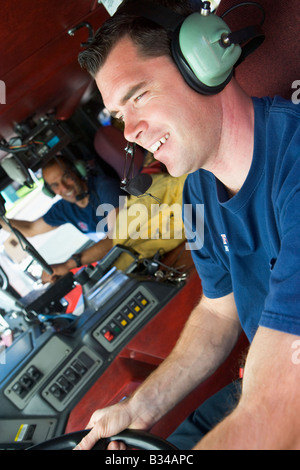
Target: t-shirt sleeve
[(200, 233), (108, 190), (56, 215), (215, 281), (281, 311)]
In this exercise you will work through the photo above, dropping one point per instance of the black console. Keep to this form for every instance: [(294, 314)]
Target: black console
[(45, 373)]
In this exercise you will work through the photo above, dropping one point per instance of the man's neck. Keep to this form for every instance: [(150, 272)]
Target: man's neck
[(234, 158), (83, 202)]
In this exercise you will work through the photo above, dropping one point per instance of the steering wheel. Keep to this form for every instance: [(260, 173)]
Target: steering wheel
[(134, 439)]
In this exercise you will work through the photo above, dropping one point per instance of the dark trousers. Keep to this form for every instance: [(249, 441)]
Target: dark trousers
[(204, 418)]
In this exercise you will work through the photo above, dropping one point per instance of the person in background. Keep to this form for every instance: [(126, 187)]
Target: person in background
[(80, 198)]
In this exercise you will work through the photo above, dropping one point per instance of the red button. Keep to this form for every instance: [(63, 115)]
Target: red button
[(109, 336)]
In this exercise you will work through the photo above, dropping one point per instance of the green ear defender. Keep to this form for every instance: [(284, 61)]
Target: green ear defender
[(205, 64), (203, 47), (80, 168)]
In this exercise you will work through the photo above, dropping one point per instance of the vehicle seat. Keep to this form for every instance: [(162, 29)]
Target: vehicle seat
[(274, 67)]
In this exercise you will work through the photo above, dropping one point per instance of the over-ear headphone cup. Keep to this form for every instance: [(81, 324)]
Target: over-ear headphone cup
[(47, 190), (80, 168), (189, 76), (206, 65)]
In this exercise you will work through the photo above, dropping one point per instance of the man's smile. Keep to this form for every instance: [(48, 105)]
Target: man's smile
[(157, 145)]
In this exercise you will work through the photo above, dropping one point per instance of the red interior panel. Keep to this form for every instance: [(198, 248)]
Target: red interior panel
[(39, 63)]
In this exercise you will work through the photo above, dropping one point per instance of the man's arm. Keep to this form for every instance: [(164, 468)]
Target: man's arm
[(268, 414), (29, 228), (92, 254), (206, 340), (88, 256)]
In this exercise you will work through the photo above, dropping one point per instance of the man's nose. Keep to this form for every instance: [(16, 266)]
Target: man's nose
[(63, 187), (134, 128)]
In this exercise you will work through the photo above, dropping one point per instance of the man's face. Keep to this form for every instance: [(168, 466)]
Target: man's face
[(160, 111), (63, 181)]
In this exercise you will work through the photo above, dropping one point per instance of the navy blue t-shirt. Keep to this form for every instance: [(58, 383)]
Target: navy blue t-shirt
[(251, 244), (102, 190)]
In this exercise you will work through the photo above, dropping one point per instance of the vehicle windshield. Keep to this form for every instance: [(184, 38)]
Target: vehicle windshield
[(19, 273)]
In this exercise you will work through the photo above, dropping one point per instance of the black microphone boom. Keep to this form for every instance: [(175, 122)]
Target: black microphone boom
[(134, 185), (138, 185), (81, 196)]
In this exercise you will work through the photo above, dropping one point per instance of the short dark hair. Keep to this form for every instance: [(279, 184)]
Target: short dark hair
[(60, 161), (57, 160), (151, 39)]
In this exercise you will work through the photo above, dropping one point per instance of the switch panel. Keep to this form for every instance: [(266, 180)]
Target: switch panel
[(125, 318), (72, 378), (31, 378)]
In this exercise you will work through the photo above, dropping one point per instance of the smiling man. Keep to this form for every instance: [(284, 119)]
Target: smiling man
[(63, 181), (80, 198), (242, 156), (139, 94)]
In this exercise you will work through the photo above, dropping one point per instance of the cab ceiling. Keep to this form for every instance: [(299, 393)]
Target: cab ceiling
[(39, 67)]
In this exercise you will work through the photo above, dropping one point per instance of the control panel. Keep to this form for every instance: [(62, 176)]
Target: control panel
[(72, 378), (25, 384), (125, 318), (44, 140), (48, 372)]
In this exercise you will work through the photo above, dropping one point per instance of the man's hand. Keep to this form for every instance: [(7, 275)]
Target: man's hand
[(106, 423), (59, 270)]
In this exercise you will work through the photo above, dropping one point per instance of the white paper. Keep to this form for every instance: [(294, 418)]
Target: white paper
[(111, 5)]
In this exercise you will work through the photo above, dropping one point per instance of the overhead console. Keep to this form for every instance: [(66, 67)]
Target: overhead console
[(37, 140), (33, 146)]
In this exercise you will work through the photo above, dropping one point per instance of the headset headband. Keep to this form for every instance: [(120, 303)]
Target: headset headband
[(202, 45)]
